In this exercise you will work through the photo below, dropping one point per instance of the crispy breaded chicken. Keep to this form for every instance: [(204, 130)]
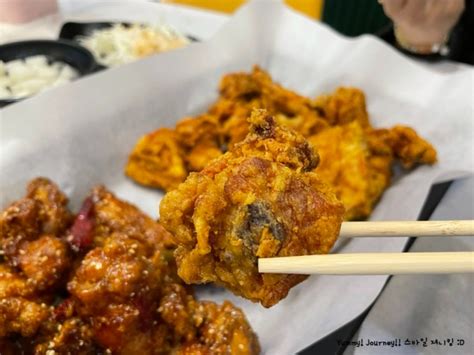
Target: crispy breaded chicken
[(359, 166), (357, 158), (261, 199)]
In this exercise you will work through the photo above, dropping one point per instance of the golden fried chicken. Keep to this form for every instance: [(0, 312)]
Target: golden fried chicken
[(102, 282), (359, 166), (157, 160), (407, 146), (165, 157), (347, 167), (343, 106), (242, 92), (357, 159), (201, 140), (258, 200)]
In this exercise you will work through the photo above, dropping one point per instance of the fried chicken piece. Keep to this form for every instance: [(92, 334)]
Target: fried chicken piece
[(126, 283), (123, 280), (54, 215), (165, 157), (18, 223), (36, 258), (206, 327), (358, 175), (242, 92), (224, 329), (42, 211), (157, 160), (21, 316), (343, 106), (21, 312), (200, 139), (408, 146), (359, 167), (117, 287), (72, 336), (30, 231), (44, 262), (258, 200), (12, 284)]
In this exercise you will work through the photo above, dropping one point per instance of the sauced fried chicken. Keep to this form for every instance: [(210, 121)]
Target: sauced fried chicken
[(356, 158), (258, 200), (102, 282)]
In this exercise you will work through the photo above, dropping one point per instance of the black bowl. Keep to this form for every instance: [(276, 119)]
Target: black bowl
[(72, 30), (64, 51)]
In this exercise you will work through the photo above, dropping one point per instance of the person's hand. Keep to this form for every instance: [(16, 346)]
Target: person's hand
[(423, 23)]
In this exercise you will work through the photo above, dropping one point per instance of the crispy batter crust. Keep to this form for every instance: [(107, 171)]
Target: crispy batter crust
[(258, 200), (357, 159)]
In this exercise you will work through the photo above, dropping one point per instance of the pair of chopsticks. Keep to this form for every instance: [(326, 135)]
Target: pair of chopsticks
[(383, 263)]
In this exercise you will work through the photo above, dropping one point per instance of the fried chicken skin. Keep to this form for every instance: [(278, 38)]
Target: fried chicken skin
[(197, 141), (157, 160), (357, 159), (201, 140), (102, 282), (357, 175), (359, 166), (343, 106), (240, 93), (258, 200)]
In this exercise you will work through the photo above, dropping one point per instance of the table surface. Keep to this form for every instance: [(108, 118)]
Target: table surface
[(410, 307)]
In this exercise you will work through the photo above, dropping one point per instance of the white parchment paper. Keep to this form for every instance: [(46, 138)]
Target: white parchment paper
[(80, 135), (429, 307)]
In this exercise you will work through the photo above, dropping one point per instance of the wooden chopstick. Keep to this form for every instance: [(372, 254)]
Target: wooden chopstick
[(407, 229), (371, 264)]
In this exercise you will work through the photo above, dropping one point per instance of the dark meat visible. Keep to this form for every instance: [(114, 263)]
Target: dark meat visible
[(258, 200)]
